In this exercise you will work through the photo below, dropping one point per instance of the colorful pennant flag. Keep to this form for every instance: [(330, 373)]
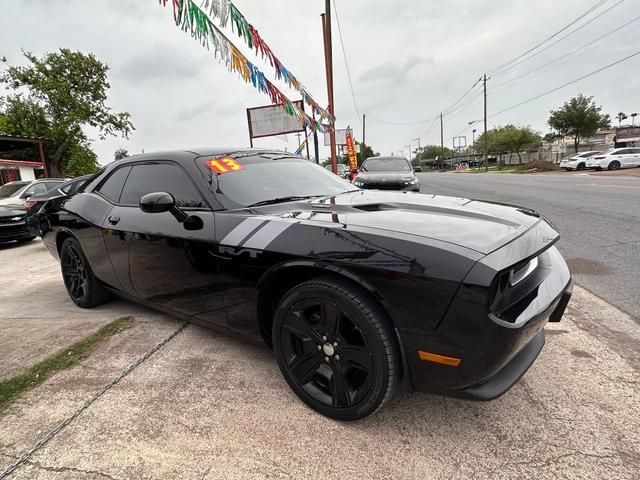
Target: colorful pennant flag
[(193, 20), (225, 10)]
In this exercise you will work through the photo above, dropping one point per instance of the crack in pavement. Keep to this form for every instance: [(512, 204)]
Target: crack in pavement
[(44, 440), (68, 469)]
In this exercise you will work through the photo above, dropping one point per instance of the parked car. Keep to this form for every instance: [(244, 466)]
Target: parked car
[(578, 161), (387, 173), (36, 203), (615, 159), (12, 225), (359, 293), (10, 195)]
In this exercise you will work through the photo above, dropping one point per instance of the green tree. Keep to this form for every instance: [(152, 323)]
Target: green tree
[(579, 118), (429, 152), (71, 89), (509, 139), (621, 116), (80, 160), (120, 154)]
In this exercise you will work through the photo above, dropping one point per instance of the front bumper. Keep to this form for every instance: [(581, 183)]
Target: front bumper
[(495, 342), (14, 231)]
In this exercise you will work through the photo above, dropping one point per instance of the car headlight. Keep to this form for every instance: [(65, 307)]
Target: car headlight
[(411, 182), (357, 183)]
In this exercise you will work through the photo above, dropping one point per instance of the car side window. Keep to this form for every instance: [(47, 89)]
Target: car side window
[(50, 185), (161, 177), (622, 152), (111, 188)]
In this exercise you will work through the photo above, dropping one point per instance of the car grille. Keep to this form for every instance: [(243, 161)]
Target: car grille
[(384, 186), (10, 231)]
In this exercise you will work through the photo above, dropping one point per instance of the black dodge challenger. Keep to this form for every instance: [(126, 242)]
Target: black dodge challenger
[(360, 293)]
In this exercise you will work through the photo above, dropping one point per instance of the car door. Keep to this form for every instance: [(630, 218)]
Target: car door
[(635, 157), (167, 264), (625, 157)]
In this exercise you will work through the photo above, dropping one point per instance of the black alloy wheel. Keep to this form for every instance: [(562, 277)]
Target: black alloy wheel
[(335, 348), (615, 165), (81, 284), (581, 166)]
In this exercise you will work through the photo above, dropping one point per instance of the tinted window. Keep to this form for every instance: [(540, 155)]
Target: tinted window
[(160, 177), (10, 188), (112, 186), (50, 185), (268, 176), (382, 164), (622, 152)]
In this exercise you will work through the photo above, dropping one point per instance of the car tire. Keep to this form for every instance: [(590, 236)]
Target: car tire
[(83, 287), (335, 348), (615, 165), (581, 166)]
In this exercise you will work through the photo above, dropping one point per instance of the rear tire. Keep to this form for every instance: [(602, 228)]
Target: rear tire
[(615, 165), (335, 348), (581, 166), (82, 285)]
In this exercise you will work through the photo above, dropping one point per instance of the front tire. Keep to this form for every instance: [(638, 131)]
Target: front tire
[(335, 348), (82, 285), (581, 166)]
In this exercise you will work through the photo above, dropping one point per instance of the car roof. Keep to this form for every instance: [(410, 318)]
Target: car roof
[(190, 153), (385, 157)]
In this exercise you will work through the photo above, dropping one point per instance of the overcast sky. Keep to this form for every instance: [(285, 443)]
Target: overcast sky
[(409, 60)]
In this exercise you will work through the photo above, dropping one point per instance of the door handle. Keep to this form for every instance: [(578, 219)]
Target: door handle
[(114, 220)]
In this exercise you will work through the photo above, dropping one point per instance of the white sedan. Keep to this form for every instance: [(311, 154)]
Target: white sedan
[(577, 161), (615, 159)]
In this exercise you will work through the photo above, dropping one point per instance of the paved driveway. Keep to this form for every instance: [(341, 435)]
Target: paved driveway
[(197, 405)]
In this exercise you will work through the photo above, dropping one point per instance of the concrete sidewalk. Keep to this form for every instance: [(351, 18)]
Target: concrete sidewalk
[(205, 406)]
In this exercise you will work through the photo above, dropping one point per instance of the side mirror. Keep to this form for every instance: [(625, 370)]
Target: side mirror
[(157, 202)]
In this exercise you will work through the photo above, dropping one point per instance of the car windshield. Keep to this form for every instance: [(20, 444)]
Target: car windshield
[(382, 164), (11, 189), (268, 178)]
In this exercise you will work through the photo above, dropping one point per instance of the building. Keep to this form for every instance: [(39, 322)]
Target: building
[(12, 170)]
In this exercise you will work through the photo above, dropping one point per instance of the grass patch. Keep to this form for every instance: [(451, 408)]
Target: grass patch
[(70, 356)]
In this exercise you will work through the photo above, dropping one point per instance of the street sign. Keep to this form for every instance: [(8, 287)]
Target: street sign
[(341, 137), (273, 120)]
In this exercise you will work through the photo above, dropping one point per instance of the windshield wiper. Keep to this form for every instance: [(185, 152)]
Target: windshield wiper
[(289, 198)]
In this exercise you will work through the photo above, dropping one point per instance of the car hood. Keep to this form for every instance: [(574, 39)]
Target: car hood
[(386, 176), (476, 225)]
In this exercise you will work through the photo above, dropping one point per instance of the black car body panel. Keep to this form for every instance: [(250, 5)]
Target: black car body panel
[(443, 269)]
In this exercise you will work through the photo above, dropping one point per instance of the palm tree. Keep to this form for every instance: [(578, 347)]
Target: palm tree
[(633, 119), (621, 116)]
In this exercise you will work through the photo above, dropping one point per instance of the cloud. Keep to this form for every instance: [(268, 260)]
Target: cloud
[(161, 63)]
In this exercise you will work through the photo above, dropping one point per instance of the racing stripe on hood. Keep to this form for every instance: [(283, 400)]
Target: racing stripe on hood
[(267, 234), (242, 230)]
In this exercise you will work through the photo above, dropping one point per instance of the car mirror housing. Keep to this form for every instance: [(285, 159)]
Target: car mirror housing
[(157, 202)]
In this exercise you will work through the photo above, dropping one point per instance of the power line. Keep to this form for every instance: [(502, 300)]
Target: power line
[(615, 30), (451, 108), (346, 64), (561, 38), (510, 62), (566, 84)]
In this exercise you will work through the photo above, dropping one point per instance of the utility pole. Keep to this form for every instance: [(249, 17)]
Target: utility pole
[(441, 140), (417, 151), (328, 61), (299, 143), (486, 155), (316, 149), (362, 147)]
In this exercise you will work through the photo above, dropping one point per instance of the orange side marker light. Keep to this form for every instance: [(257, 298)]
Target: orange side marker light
[(434, 357)]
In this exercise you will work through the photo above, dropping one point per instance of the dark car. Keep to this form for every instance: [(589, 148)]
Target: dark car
[(359, 293), (12, 225), (35, 205), (387, 173)]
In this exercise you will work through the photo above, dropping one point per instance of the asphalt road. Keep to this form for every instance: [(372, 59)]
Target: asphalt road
[(598, 219)]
